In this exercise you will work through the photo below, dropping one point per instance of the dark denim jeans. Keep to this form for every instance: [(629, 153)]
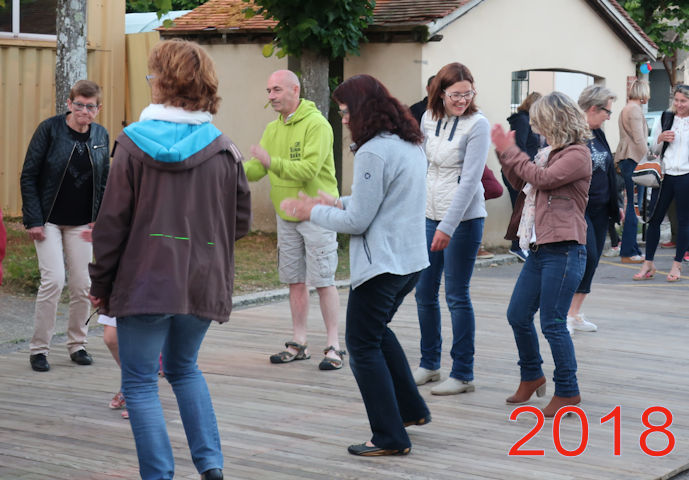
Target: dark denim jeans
[(547, 282), (378, 362), (457, 260), (629, 246), (141, 340), (677, 187), (596, 230)]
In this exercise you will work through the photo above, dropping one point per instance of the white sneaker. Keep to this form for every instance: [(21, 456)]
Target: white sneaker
[(570, 328), (612, 252), (424, 375), (452, 386), (578, 322)]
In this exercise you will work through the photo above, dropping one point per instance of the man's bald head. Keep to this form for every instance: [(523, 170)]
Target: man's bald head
[(283, 92)]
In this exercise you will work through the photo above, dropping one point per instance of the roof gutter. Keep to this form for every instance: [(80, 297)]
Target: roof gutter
[(622, 23), (437, 25)]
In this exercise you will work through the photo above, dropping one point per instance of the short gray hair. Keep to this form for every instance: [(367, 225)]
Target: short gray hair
[(595, 96)]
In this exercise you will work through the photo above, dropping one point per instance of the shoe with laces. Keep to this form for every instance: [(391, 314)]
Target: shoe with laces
[(39, 362), (424, 375), (578, 322), (612, 252), (81, 357)]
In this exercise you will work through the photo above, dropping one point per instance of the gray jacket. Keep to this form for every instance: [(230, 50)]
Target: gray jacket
[(385, 212)]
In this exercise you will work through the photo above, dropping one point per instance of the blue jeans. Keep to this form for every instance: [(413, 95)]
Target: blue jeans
[(677, 187), (596, 230), (141, 339), (547, 282), (378, 362), (629, 246), (457, 260)]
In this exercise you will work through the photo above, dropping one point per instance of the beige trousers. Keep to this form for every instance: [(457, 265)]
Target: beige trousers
[(62, 246)]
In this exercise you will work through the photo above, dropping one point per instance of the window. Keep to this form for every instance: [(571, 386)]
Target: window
[(520, 88), (28, 18)]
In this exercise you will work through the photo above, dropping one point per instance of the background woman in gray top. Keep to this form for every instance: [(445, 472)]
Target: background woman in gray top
[(385, 216)]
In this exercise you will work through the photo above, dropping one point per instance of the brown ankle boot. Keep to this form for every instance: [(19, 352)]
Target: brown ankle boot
[(525, 390), (556, 403)]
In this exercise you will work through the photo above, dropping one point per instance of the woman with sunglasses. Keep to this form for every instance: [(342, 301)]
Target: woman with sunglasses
[(385, 218), (456, 144), (672, 145)]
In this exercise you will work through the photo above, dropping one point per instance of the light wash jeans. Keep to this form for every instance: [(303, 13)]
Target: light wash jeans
[(62, 246), (141, 339)]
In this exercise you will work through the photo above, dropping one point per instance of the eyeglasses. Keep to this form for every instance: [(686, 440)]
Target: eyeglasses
[(90, 107), (609, 112), (149, 78), (456, 96), (343, 112)]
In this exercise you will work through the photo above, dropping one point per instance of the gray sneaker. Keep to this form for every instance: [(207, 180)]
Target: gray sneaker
[(452, 386), (424, 375)]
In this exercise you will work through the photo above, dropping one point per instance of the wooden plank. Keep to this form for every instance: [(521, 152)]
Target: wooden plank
[(295, 422)]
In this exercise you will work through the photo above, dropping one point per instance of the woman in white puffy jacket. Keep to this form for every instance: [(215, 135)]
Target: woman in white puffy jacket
[(457, 138)]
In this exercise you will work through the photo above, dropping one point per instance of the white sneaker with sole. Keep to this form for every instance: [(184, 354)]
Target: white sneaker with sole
[(424, 375), (452, 386), (578, 322)]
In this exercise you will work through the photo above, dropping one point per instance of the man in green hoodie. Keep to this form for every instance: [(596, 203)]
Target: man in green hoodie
[(296, 152)]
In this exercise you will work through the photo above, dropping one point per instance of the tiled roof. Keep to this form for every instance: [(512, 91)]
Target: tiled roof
[(634, 25), (227, 15)]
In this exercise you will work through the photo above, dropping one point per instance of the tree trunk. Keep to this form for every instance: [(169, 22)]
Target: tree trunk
[(71, 49), (314, 79)]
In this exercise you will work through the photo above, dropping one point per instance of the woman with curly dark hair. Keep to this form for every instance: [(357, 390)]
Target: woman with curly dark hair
[(385, 217)]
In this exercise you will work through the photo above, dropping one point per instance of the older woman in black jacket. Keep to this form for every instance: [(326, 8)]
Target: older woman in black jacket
[(596, 102)]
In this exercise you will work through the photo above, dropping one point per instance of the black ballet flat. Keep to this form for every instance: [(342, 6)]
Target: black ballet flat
[(364, 450), (421, 421)]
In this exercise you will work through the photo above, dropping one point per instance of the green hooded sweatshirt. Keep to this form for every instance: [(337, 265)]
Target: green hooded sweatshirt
[(301, 156)]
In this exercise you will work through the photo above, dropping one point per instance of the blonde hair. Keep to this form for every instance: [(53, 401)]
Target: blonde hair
[(560, 120), (639, 90)]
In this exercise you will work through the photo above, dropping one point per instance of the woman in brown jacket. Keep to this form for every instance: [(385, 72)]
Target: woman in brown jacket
[(630, 151), (553, 227)]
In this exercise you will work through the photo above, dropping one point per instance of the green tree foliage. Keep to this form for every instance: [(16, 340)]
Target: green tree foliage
[(315, 32), (161, 6), (666, 22), (334, 29)]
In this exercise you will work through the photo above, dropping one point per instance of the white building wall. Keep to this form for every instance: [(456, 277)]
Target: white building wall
[(498, 37)]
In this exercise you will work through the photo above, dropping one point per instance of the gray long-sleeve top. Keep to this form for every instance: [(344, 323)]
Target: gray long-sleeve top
[(385, 212)]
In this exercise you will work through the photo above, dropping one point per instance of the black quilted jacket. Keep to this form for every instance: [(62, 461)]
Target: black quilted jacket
[(46, 162)]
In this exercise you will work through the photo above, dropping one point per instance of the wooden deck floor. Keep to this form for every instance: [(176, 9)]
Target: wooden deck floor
[(295, 422)]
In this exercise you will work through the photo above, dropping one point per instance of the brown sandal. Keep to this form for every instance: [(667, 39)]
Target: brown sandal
[(329, 363), (286, 356)]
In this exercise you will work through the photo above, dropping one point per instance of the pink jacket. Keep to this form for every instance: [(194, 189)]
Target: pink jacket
[(562, 194)]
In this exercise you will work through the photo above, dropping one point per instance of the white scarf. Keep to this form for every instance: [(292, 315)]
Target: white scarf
[(526, 222), (159, 111)]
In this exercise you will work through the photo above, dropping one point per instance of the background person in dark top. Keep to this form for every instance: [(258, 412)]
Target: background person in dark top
[(419, 108), (62, 184), (528, 142), (596, 102)]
